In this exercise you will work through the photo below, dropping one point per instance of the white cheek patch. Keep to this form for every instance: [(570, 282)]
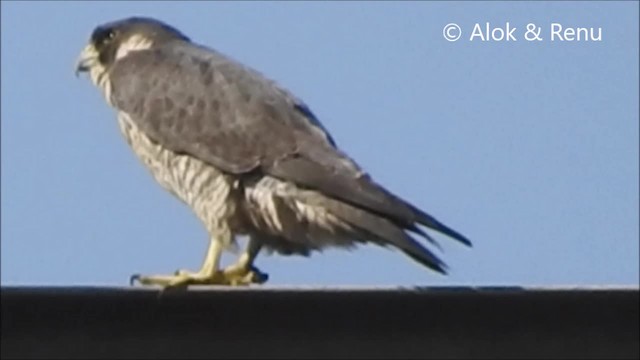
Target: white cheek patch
[(134, 43)]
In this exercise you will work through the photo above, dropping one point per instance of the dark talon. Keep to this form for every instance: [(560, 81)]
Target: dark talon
[(262, 278), (133, 278), (258, 276)]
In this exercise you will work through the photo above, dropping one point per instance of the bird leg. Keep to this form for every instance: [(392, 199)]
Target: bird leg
[(243, 271), (210, 274)]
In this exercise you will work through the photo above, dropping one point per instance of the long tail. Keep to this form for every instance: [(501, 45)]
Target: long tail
[(368, 226), (361, 192)]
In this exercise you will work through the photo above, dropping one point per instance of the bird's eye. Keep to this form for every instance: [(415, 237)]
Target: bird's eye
[(109, 36), (105, 36)]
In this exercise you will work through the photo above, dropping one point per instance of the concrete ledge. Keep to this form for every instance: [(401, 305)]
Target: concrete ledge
[(320, 323)]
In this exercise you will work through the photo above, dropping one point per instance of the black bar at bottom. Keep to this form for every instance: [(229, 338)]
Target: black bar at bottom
[(79, 322)]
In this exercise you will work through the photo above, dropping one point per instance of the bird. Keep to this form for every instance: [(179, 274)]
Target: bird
[(245, 154)]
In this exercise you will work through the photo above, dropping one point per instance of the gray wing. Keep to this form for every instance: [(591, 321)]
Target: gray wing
[(197, 101)]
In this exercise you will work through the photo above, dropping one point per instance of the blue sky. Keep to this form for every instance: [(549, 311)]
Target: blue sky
[(528, 148)]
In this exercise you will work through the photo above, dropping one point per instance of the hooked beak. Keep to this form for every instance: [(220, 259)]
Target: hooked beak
[(87, 59)]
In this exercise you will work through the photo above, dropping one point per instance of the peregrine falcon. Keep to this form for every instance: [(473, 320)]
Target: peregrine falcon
[(247, 156)]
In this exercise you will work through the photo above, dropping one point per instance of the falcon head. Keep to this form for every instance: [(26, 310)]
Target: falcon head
[(112, 41)]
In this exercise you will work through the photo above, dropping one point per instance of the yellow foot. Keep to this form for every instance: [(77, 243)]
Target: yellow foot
[(237, 275), (232, 277)]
